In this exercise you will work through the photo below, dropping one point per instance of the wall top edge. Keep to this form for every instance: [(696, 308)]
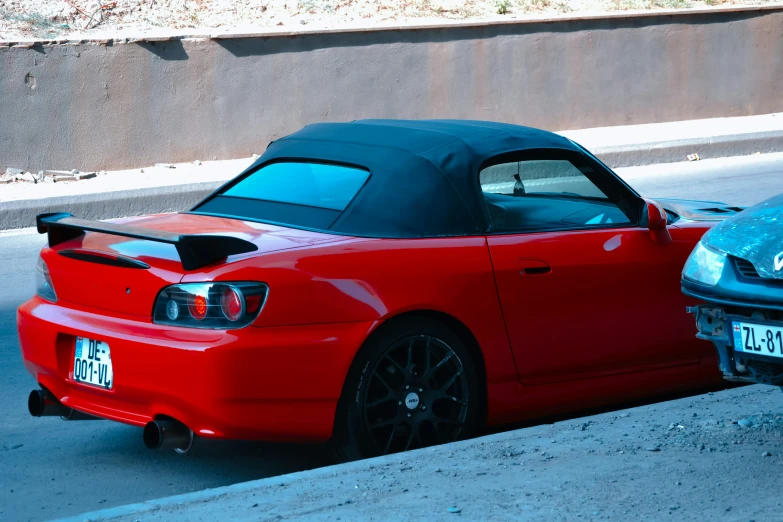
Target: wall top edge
[(446, 24)]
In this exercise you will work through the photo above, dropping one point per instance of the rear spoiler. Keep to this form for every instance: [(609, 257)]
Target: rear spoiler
[(195, 251)]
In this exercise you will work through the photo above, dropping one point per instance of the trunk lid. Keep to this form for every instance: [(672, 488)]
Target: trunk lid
[(124, 275)]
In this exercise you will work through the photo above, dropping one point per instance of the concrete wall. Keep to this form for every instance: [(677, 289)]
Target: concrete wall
[(111, 105)]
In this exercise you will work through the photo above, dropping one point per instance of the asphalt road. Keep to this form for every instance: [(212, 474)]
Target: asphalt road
[(50, 468)]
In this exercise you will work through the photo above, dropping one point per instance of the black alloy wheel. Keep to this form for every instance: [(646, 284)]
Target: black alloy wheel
[(417, 396), (413, 386)]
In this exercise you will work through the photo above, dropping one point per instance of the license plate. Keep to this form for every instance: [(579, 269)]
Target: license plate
[(758, 339), (92, 363)]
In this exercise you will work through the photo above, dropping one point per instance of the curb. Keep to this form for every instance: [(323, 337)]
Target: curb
[(309, 494), (107, 205), (618, 156), (215, 493), (171, 198)]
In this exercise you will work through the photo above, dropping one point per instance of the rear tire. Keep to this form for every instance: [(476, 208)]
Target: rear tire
[(378, 415)]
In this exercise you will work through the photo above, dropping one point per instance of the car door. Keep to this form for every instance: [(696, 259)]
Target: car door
[(585, 289)]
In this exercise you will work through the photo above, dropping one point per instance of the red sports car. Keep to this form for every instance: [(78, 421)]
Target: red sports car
[(382, 285)]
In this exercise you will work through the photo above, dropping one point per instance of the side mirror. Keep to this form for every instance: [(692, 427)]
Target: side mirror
[(657, 222)]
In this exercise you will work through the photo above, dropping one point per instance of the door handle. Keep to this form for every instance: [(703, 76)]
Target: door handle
[(532, 267), (535, 270)]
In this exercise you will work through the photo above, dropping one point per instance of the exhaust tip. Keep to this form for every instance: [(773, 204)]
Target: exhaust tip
[(35, 403), (153, 435), (41, 403), (168, 433)]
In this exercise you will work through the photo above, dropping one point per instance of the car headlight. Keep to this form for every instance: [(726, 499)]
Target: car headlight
[(220, 306), (704, 265), (43, 282)]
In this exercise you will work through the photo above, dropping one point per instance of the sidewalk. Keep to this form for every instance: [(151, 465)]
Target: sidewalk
[(709, 457), (635, 145), (118, 193), (164, 189)]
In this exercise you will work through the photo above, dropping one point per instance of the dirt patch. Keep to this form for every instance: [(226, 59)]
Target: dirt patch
[(48, 19)]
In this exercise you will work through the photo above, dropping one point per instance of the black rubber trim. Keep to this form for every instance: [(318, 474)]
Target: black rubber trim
[(103, 258), (726, 301)]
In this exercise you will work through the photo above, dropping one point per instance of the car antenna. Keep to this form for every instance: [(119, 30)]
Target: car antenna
[(519, 188)]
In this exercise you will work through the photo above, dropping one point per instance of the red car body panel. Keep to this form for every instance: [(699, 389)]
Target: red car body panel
[(589, 276), (281, 378)]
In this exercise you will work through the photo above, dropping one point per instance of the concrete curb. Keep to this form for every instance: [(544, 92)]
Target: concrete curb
[(215, 493), (571, 466), (619, 156), (107, 205)]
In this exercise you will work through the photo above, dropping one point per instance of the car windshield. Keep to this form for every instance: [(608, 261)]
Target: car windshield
[(309, 184)]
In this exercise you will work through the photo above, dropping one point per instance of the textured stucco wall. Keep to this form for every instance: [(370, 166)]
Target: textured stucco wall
[(93, 106)]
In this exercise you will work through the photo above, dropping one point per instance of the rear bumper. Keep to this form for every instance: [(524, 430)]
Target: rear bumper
[(276, 383)]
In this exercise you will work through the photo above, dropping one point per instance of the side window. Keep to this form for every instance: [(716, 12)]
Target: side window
[(546, 194)]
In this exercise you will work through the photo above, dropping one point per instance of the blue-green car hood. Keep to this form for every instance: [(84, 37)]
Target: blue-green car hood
[(755, 234)]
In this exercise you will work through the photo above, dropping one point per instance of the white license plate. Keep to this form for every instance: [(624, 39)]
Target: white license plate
[(758, 339), (92, 363)]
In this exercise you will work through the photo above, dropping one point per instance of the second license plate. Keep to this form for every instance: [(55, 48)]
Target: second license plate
[(758, 339)]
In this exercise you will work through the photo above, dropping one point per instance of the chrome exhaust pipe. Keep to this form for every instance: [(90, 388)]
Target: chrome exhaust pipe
[(41, 403), (168, 433)]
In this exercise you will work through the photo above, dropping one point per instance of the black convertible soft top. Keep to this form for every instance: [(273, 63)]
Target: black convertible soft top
[(423, 173)]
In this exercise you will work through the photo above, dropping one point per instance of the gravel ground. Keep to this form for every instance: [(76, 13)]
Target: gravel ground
[(47, 19), (710, 457)]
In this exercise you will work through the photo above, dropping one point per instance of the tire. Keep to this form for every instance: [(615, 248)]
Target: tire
[(378, 415)]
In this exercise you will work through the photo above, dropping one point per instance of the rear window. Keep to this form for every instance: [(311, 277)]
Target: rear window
[(316, 185)]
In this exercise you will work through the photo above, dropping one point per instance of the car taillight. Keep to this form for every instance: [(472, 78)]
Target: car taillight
[(232, 303), (210, 305), (43, 282), (197, 306)]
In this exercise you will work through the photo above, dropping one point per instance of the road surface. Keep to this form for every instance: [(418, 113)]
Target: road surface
[(50, 468)]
